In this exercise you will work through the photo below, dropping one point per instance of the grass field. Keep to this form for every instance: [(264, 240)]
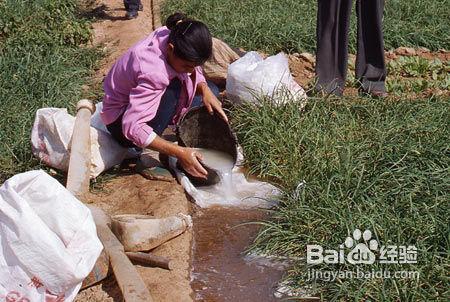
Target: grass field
[(380, 165), (289, 25), (377, 165), (41, 65)]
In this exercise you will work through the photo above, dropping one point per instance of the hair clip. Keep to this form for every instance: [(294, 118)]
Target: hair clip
[(187, 27), (179, 21)]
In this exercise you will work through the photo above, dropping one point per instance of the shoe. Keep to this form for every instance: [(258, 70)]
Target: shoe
[(164, 159), (379, 94), (326, 90), (132, 14), (375, 94), (153, 173)]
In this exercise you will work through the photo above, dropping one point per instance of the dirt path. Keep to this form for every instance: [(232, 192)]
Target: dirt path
[(133, 194)]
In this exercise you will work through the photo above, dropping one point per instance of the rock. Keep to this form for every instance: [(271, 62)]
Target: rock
[(405, 51), (390, 55), (424, 49), (308, 57)]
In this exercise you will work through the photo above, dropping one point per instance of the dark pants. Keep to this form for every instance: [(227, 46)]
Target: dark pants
[(164, 115), (333, 19), (131, 5)]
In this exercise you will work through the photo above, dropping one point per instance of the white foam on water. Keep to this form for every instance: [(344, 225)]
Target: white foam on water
[(234, 190), (223, 163)]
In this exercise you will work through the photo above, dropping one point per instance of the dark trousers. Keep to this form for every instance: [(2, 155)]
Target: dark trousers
[(333, 19), (164, 115), (131, 5)]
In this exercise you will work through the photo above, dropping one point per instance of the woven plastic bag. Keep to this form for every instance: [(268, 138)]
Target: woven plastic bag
[(48, 243), (215, 68), (52, 133), (252, 76)]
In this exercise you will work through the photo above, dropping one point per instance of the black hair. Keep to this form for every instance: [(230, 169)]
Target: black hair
[(191, 39)]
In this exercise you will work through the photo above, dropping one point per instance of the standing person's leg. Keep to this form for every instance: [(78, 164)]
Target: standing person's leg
[(333, 19), (370, 64)]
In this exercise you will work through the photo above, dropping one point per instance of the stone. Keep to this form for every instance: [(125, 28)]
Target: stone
[(308, 57), (406, 51)]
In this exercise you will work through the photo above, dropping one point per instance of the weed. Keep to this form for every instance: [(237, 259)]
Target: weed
[(416, 74), (41, 65), (289, 25), (381, 165)]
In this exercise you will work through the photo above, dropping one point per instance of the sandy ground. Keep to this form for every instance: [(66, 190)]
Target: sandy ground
[(131, 193)]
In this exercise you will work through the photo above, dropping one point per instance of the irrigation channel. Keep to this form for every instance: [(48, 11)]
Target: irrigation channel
[(221, 270)]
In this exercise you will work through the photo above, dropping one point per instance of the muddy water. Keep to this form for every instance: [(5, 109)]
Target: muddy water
[(220, 272)]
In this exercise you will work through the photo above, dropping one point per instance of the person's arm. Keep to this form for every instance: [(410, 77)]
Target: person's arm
[(188, 157), (144, 102), (210, 100)]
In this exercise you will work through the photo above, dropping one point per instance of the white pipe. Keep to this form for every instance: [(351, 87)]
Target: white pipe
[(80, 151), (130, 282)]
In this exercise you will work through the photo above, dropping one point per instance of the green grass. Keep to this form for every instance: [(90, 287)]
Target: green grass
[(367, 164), (412, 76), (41, 65), (416, 74), (289, 25)]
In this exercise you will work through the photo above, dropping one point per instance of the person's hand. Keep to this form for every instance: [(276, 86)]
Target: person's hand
[(213, 104), (189, 160)]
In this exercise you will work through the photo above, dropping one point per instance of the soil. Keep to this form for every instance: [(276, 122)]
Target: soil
[(302, 65), (129, 193)]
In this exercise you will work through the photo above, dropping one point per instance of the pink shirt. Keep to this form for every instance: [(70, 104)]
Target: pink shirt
[(137, 81)]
